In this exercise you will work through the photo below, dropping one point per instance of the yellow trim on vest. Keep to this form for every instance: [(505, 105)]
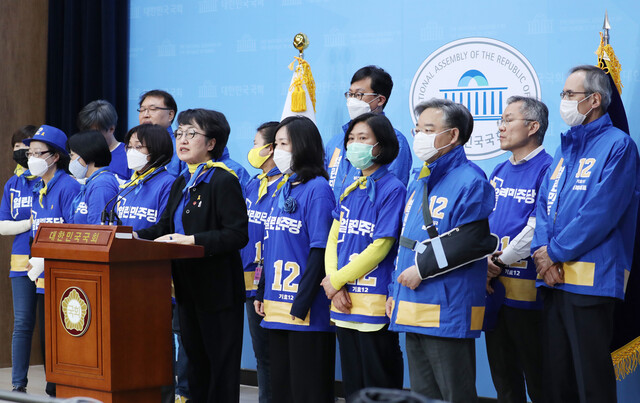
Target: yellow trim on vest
[(477, 317), (519, 289), (556, 171), (19, 262), (579, 273), (280, 312), (334, 157), (40, 283), (414, 314), (248, 281), (366, 304)]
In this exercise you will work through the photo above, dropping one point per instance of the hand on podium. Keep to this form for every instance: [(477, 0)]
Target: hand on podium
[(177, 238)]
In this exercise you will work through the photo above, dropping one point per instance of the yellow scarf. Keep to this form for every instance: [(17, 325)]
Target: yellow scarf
[(210, 164), (424, 172), (20, 170), (361, 181), (136, 178)]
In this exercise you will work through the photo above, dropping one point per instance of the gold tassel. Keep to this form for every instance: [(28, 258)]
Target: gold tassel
[(303, 77), (626, 358), (608, 62)]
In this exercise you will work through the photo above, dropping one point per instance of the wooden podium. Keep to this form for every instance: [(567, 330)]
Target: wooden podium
[(107, 311)]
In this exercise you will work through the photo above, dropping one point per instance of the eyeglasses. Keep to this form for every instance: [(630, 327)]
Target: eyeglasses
[(37, 154), (357, 95), (152, 109), (504, 122), (189, 134), (137, 148), (570, 94)]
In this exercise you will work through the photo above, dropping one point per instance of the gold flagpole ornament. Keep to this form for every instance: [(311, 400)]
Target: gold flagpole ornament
[(607, 59), (302, 90)]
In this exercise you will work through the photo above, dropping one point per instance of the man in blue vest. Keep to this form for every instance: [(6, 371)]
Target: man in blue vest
[(441, 315), (583, 241), (369, 92), (514, 348)]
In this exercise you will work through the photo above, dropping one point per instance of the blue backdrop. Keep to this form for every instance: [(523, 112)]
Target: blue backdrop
[(232, 55)]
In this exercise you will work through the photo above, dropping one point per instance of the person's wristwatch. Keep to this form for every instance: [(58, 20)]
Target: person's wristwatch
[(496, 260)]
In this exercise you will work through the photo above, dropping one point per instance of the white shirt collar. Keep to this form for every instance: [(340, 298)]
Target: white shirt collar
[(528, 157)]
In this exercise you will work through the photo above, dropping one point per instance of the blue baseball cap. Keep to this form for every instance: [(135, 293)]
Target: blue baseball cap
[(52, 136)]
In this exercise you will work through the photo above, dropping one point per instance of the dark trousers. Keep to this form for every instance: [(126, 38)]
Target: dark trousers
[(180, 361), (302, 366), (213, 343), (260, 342), (442, 368), (514, 350), (576, 334), (370, 359)]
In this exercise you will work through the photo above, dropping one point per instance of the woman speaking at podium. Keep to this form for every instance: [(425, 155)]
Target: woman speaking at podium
[(206, 208)]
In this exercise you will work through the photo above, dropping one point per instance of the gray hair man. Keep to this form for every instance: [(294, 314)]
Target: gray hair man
[(583, 241), (100, 115), (514, 348), (441, 314)]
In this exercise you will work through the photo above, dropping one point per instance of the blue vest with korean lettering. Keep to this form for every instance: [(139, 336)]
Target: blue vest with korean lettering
[(516, 188), (141, 205), (55, 206), (288, 240), (257, 211), (587, 209), (362, 222), (16, 206), (94, 195), (452, 304)]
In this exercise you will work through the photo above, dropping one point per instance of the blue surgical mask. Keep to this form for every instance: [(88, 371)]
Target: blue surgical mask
[(77, 169)]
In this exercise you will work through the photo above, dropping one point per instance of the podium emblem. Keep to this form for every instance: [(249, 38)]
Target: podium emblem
[(75, 311)]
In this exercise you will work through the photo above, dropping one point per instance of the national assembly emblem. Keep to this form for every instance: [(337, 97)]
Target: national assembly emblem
[(481, 74), (75, 311)]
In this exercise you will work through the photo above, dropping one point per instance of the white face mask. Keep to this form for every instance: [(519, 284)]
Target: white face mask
[(282, 159), (136, 160), (358, 107), (570, 114), (77, 170), (38, 166), (424, 145)]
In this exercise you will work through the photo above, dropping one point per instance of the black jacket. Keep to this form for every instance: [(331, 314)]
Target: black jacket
[(216, 215)]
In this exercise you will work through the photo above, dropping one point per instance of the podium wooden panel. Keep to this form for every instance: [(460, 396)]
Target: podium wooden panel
[(107, 311)]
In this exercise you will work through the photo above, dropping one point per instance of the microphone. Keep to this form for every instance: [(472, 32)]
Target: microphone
[(109, 217)]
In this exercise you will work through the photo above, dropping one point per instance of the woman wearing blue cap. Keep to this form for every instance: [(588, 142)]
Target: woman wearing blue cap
[(90, 159), (15, 219), (52, 196)]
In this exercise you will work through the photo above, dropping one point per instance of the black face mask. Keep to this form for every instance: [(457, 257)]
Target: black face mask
[(20, 156)]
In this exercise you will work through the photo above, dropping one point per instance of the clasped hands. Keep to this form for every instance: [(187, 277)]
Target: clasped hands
[(550, 272)]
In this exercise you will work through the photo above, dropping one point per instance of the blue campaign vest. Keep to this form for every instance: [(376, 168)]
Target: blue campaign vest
[(288, 240), (362, 222), (342, 173), (94, 195), (449, 305), (142, 205), (16, 205), (55, 206), (257, 212), (587, 208), (516, 188)]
